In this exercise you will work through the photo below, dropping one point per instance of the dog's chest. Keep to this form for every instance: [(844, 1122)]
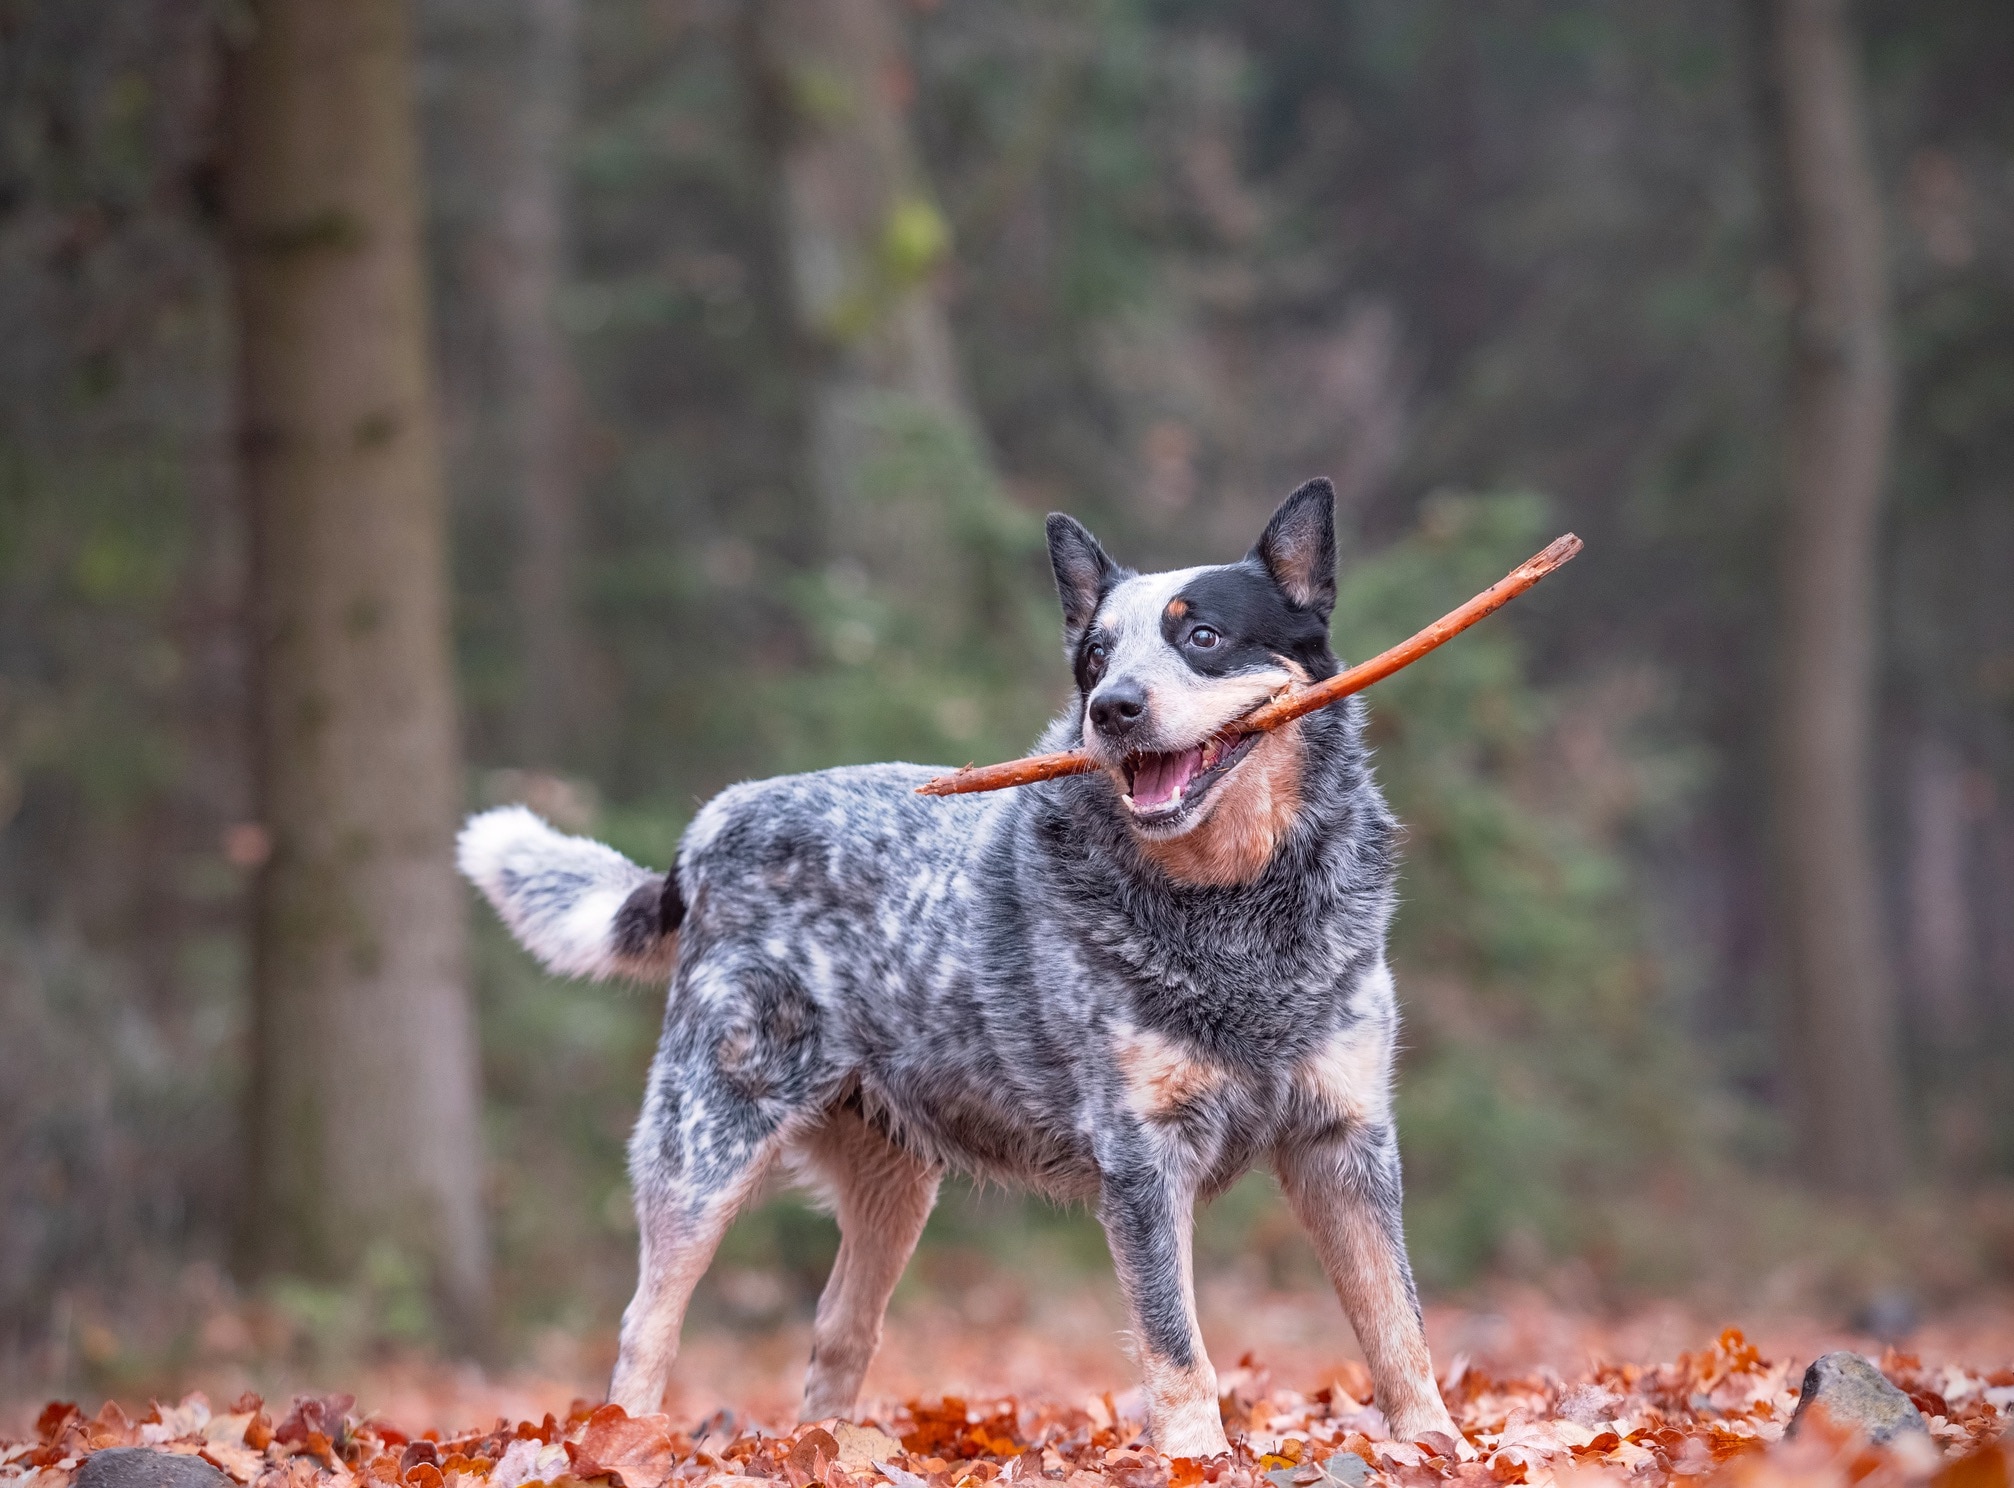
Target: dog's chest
[(1166, 1080)]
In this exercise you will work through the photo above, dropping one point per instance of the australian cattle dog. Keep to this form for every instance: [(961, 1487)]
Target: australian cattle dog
[(1127, 987)]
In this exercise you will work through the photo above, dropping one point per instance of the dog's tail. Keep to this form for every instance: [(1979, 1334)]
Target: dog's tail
[(583, 909)]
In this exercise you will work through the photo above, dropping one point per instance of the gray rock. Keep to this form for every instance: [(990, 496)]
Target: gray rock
[(143, 1467), (1856, 1394)]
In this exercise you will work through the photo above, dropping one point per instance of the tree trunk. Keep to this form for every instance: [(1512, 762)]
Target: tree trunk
[(364, 1125), (1841, 408), (1938, 897), (537, 395), (893, 446)]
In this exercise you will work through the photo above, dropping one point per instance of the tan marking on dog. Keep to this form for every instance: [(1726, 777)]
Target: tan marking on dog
[(1182, 1406), (1352, 1073), (881, 1195), (1182, 1413), (1386, 1320), (1177, 608), (1255, 810), (1161, 1077), (1366, 1265)]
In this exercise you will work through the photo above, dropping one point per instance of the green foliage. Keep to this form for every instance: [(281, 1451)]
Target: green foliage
[(1544, 1067), (933, 666)]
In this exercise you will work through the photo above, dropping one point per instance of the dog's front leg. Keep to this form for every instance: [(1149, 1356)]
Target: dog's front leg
[(1346, 1190), (1148, 1215)]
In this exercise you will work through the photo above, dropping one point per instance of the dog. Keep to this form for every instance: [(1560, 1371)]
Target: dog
[(1127, 987)]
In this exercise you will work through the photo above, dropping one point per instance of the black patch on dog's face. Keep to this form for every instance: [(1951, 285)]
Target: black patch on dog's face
[(1252, 621), (1087, 662)]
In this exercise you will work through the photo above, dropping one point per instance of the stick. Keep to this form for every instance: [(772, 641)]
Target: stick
[(1287, 706)]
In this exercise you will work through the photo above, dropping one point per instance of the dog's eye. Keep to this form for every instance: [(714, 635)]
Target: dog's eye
[(1203, 637), (1094, 657)]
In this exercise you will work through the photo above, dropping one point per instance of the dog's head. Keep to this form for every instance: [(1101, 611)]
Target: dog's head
[(1165, 663)]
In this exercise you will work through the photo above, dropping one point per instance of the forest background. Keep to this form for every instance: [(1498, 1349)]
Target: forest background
[(755, 338)]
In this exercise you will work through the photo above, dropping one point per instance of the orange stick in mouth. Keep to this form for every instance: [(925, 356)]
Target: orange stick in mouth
[(1295, 702)]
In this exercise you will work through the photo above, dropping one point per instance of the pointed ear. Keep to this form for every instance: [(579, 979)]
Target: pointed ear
[(1083, 572), (1298, 547)]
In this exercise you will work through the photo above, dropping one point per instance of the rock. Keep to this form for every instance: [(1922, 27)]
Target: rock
[(1855, 1394), (143, 1467)]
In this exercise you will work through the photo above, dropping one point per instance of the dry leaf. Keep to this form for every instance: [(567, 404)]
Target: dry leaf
[(1716, 1414), (234, 1460), (635, 1450), (860, 1447)]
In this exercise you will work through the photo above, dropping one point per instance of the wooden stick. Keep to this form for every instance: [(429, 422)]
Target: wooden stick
[(1287, 706)]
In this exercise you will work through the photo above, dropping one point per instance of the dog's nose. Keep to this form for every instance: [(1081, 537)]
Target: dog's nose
[(1117, 711)]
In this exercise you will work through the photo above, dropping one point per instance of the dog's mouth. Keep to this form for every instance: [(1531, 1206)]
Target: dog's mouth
[(1163, 788)]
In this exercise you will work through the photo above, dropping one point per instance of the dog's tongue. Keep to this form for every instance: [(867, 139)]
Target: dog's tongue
[(1159, 778)]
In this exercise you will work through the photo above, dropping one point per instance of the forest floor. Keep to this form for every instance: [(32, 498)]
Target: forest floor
[(1040, 1386)]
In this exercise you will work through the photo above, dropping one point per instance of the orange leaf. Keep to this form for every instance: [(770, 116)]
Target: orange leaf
[(1984, 1468), (56, 1415), (634, 1450), (324, 1414), (812, 1458)]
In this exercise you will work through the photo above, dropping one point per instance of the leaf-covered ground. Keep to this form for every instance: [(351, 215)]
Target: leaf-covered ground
[(1716, 1414)]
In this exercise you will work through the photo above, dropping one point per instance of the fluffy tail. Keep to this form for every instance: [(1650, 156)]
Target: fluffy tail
[(583, 909)]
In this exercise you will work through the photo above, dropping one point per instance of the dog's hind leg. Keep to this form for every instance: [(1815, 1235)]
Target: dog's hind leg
[(882, 1195), (1345, 1188), (1148, 1216), (679, 1229), (737, 1076)]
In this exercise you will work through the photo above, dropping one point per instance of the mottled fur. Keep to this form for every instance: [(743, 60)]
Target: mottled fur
[(1032, 986)]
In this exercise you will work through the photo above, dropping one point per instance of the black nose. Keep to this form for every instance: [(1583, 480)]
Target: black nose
[(1118, 709)]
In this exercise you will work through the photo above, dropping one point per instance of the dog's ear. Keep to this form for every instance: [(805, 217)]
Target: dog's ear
[(1298, 547), (1083, 573)]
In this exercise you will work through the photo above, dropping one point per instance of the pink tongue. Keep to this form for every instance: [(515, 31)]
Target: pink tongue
[(1159, 776)]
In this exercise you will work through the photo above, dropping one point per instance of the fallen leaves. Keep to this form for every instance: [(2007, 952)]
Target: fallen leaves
[(634, 1451), (1716, 1416)]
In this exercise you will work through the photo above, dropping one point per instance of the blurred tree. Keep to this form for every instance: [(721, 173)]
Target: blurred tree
[(364, 1120), (923, 554), (538, 397), (864, 240), (122, 749), (1841, 408)]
